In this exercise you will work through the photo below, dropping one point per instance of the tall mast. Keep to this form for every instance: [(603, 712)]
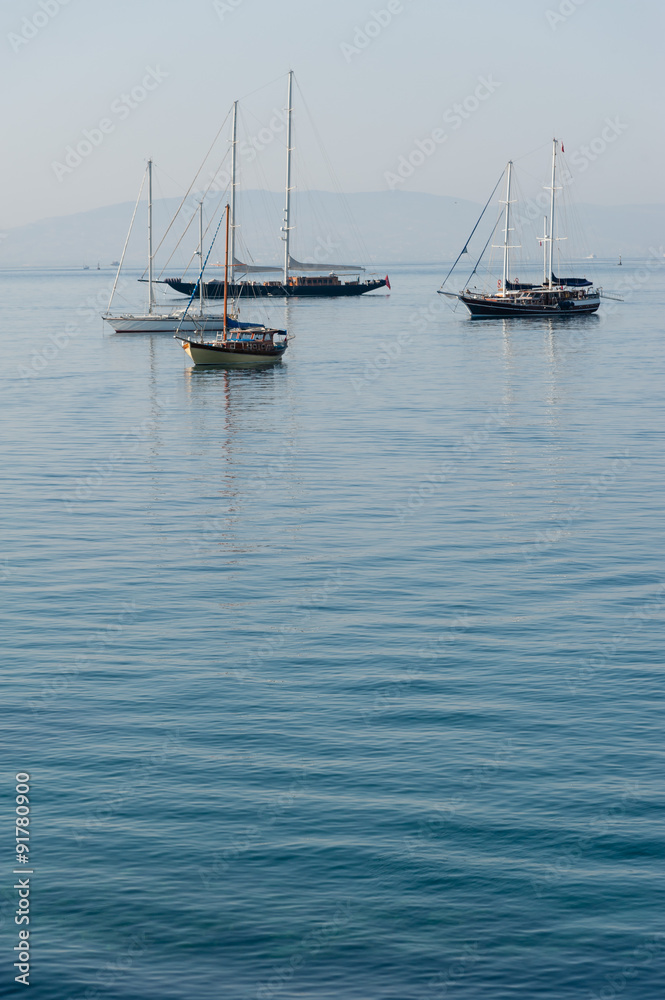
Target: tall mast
[(151, 291), (201, 257), (226, 269), (545, 239), (234, 181), (552, 190), (506, 245), (286, 229)]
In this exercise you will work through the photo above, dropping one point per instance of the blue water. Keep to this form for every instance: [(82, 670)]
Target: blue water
[(340, 679)]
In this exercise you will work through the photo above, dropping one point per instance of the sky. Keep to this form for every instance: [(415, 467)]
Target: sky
[(413, 95)]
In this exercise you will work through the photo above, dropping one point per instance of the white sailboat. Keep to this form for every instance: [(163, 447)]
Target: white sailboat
[(157, 320)]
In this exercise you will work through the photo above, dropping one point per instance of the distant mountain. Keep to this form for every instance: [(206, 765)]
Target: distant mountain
[(372, 228)]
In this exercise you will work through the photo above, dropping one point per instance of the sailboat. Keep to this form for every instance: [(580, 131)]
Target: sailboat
[(243, 343), (554, 296), (156, 320), (289, 285)]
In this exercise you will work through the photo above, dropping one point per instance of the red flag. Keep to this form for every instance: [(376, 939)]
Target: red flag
[(562, 149), (387, 282)]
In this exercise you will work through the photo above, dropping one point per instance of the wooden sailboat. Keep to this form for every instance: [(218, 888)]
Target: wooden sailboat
[(243, 344), (554, 296)]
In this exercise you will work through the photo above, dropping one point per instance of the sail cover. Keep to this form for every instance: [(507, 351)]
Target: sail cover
[(518, 286), (572, 282), (294, 265), (253, 268), (297, 265)]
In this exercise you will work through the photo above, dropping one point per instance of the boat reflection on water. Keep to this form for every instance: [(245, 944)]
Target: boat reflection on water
[(237, 422)]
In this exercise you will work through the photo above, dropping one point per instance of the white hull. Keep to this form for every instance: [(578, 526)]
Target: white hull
[(166, 323), (202, 355)]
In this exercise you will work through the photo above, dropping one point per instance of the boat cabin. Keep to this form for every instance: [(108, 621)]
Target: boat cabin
[(328, 279)]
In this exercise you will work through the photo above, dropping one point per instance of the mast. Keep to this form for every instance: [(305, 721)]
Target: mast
[(151, 290), (552, 190), (545, 239), (201, 257), (286, 228), (506, 246), (226, 268), (234, 181)]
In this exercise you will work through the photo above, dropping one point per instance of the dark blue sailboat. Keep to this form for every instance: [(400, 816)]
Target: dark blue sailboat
[(553, 297)]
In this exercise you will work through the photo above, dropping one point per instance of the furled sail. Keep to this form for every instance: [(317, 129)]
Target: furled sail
[(571, 282), (518, 286), (297, 265), (294, 265), (253, 268)]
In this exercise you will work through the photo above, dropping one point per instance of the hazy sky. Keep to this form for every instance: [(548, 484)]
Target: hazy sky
[(381, 79)]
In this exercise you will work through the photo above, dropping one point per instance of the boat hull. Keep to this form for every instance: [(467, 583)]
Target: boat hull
[(492, 307), (166, 324), (245, 355), (276, 289)]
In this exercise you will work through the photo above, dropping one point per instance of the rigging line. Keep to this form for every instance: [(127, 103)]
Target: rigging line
[(205, 231), (193, 216), (200, 279), (536, 149), (124, 249), (186, 194), (172, 179), (464, 250), (263, 86), (483, 250), (336, 184)]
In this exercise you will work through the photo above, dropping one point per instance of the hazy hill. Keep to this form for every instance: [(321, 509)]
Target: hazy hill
[(381, 227)]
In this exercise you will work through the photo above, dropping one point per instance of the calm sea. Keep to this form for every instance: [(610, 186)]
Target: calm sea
[(340, 680)]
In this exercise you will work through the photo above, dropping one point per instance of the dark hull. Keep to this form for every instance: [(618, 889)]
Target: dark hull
[(492, 307), (275, 289)]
